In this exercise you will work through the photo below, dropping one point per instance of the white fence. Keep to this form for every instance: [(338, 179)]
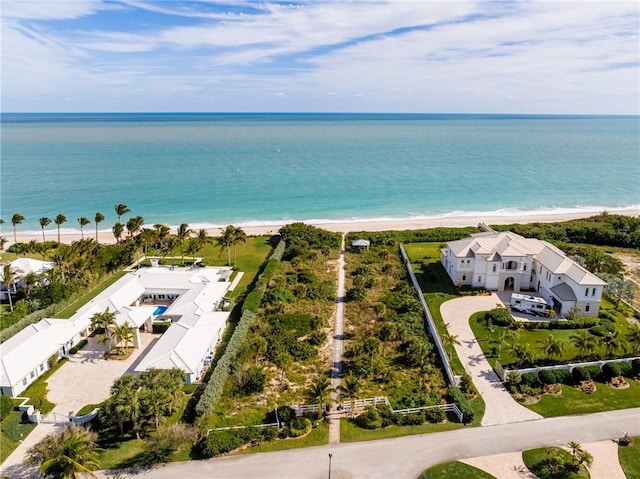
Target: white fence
[(503, 373)]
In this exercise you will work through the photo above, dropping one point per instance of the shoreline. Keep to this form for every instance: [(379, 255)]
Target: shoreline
[(106, 237)]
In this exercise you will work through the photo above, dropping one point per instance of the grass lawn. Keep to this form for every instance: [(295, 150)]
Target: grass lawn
[(457, 470), (534, 460), (120, 454), (71, 309), (350, 432), (574, 401), (630, 458), (12, 431), (37, 390), (318, 436)]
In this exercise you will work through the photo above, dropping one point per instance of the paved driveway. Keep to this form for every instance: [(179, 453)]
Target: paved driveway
[(85, 379), (501, 408)]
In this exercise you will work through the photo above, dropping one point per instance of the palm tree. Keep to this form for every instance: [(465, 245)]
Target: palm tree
[(552, 347), (182, 234), (523, 354), (9, 278), (83, 222), (118, 229), (105, 321), (123, 335), (613, 342), (58, 220), (121, 209), (67, 455), (584, 342), (44, 222), (633, 336), (134, 224), (320, 392), (350, 389), (203, 239), (98, 218), (121, 404), (239, 237), (16, 219), (226, 241), (449, 343)]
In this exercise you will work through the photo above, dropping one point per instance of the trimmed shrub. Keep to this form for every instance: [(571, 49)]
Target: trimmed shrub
[(413, 419), (78, 347), (608, 325), (598, 331), (530, 379), (222, 442), (252, 301), (435, 416), (546, 377), (595, 372), (635, 366), (161, 328), (6, 406), (612, 370), (468, 414), (299, 426), (563, 376), (582, 322), (625, 369), (370, 418), (580, 374), (500, 317)]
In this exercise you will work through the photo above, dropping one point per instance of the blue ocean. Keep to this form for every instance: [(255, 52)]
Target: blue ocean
[(251, 169)]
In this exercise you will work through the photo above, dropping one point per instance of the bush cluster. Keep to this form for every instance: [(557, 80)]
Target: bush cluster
[(223, 442), (500, 317), (299, 426), (26, 321), (392, 238), (468, 414)]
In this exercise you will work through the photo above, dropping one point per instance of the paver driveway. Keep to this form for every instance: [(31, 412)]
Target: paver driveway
[(501, 408)]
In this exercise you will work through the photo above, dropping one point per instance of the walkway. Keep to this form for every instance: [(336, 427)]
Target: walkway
[(503, 466), (85, 379), (336, 371), (501, 408), (406, 457)]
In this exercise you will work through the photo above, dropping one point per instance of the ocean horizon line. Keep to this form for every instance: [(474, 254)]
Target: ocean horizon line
[(89, 231)]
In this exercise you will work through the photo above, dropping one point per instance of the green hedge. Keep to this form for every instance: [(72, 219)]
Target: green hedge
[(215, 386), (78, 347), (468, 414), (160, 327), (26, 321)]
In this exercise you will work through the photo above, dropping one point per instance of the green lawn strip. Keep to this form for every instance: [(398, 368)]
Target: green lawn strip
[(37, 390), (630, 458), (457, 470), (319, 436), (434, 301), (120, 454), (534, 460), (350, 432), (12, 431), (574, 401), (71, 309)]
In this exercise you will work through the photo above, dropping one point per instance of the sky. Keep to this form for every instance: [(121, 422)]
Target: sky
[(540, 57)]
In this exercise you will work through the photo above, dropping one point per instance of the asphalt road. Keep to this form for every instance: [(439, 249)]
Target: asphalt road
[(407, 457)]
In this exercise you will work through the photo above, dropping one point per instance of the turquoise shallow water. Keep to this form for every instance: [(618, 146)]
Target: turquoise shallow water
[(265, 168)]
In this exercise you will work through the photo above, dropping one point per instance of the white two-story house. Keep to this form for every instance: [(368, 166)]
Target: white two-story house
[(509, 262)]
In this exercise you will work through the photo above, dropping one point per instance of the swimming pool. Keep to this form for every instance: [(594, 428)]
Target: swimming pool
[(159, 310)]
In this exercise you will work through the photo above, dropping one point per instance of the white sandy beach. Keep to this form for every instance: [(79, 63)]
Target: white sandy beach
[(339, 226)]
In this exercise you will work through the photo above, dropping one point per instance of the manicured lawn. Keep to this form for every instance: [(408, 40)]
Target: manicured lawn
[(350, 432), (534, 460), (120, 454), (12, 431), (630, 458), (454, 470), (574, 401), (318, 436), (70, 310)]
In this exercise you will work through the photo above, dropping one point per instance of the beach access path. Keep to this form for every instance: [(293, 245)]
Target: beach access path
[(501, 408)]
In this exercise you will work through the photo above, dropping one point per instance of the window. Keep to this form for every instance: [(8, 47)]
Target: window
[(464, 277), (587, 292), (593, 292), (587, 307), (33, 374), (479, 278), (524, 267), (42, 367), (24, 382), (494, 268)]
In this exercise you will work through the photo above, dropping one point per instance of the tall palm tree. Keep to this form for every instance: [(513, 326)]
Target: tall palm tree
[(320, 392), (98, 218), (584, 342), (121, 209), (123, 335), (633, 336), (70, 454), (203, 239), (105, 321), (83, 222), (59, 220), (449, 342), (226, 240), (350, 389), (239, 237), (523, 354), (182, 234), (118, 229), (134, 224), (16, 219), (9, 279), (121, 403), (552, 347), (44, 222)]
